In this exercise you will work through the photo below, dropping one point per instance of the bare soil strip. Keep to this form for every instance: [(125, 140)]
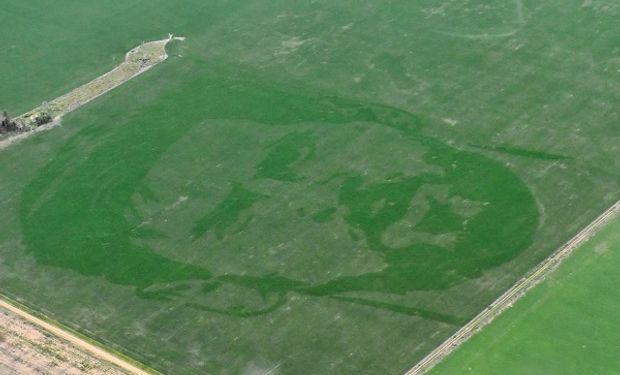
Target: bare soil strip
[(26, 349), (513, 294), (75, 340), (137, 61)]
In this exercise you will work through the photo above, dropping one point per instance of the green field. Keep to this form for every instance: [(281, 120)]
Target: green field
[(567, 325), (326, 187)]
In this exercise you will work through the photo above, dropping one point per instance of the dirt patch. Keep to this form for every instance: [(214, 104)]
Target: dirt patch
[(601, 248), (25, 349)]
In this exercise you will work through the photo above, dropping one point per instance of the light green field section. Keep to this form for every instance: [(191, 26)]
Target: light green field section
[(567, 325), (326, 187)]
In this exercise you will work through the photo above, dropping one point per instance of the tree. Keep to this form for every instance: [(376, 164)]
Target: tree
[(6, 124)]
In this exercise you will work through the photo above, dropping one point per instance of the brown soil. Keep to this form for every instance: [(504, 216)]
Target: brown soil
[(26, 349)]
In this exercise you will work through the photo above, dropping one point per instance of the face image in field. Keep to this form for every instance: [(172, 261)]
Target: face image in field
[(319, 196)]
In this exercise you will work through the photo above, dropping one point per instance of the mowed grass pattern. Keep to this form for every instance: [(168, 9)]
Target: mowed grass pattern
[(318, 188), (567, 325)]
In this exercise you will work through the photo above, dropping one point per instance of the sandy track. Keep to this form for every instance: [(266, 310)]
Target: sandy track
[(26, 349), (74, 340), (513, 294)]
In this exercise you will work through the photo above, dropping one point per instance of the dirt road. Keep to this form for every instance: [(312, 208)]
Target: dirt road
[(75, 340)]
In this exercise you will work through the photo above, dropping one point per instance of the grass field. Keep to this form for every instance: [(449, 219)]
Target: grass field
[(303, 188), (567, 325)]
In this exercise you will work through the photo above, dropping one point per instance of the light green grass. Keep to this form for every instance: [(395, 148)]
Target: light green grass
[(567, 325), (322, 187)]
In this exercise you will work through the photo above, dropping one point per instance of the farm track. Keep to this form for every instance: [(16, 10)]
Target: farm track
[(517, 291), (27, 349), (75, 340)]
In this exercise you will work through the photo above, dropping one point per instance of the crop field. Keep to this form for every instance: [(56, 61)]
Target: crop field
[(567, 325), (301, 188)]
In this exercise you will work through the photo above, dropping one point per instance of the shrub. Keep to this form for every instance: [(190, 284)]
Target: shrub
[(42, 118)]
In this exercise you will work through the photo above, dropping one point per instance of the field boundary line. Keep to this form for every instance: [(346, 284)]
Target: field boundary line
[(518, 290), (80, 341)]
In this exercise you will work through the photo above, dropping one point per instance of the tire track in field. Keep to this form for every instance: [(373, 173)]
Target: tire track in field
[(517, 291)]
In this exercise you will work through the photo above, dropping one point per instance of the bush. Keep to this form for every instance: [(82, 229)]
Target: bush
[(42, 118), (6, 124)]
